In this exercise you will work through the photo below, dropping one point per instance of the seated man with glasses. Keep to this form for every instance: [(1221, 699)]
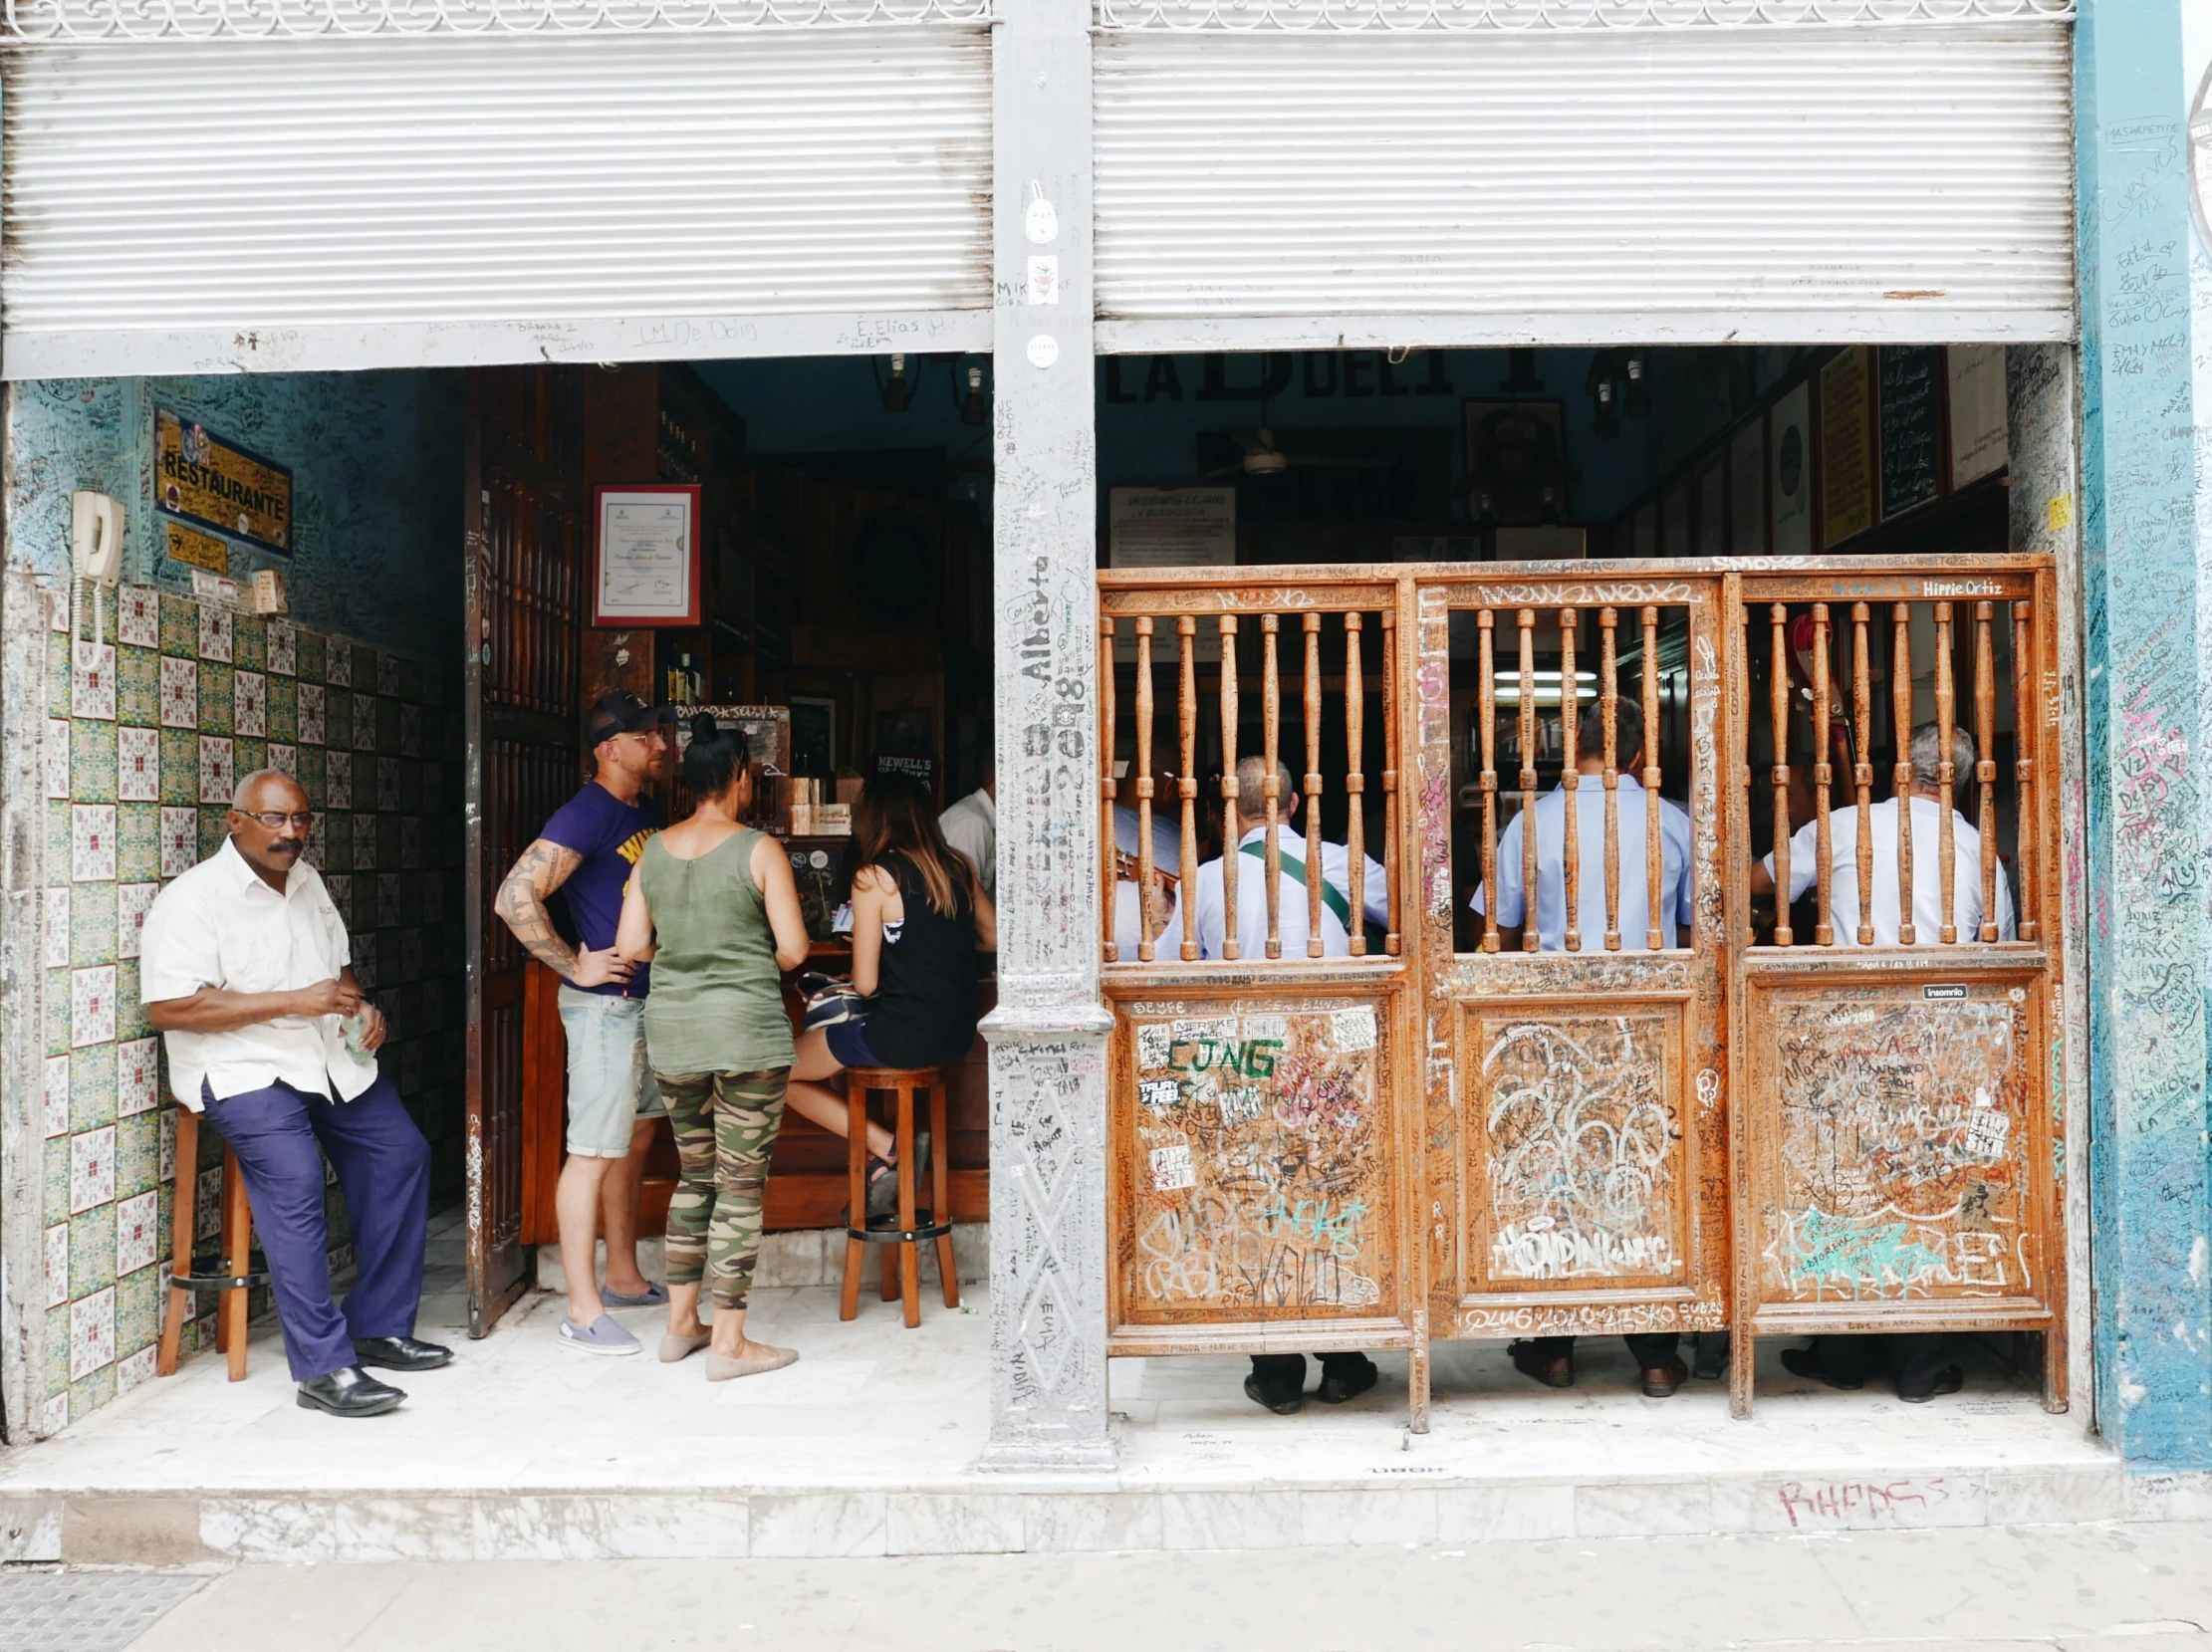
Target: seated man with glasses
[(246, 970)]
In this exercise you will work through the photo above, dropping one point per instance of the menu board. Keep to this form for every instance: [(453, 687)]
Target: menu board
[(1911, 450), (1258, 1163), (1905, 1117), (1847, 449)]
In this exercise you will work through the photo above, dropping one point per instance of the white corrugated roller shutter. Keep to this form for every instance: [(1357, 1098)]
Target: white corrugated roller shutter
[(1754, 183), (192, 206)]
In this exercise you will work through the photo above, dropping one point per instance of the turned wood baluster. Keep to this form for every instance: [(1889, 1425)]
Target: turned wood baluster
[(1231, 830), (1824, 775), (1530, 939), (1487, 710), (1609, 698), (1985, 765), (1356, 786), (1946, 773), (1186, 782), (1900, 702), (1313, 786), (1271, 789), (1778, 705), (1863, 771), (1145, 788), (2024, 727), (1107, 862), (1654, 863), (1570, 707), (1390, 776)]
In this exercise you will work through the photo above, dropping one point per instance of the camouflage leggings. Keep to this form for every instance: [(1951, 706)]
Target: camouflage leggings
[(725, 1125)]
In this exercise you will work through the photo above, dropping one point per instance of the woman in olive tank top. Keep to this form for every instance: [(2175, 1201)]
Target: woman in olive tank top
[(712, 904), (919, 917)]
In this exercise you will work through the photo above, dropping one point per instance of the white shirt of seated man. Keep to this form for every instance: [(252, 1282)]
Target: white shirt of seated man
[(245, 964), (1927, 861), (1676, 910), (1167, 858), (1291, 887)]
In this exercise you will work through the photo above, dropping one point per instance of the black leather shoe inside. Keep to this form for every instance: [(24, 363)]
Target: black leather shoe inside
[(1341, 1380), (352, 1393), (1283, 1402), (400, 1354)]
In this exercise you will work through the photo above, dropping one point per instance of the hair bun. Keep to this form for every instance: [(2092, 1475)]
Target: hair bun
[(705, 726)]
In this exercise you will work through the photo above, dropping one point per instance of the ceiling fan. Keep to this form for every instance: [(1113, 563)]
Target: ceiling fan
[(1262, 458)]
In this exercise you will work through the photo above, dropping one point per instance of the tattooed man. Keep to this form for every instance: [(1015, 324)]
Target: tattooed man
[(587, 851)]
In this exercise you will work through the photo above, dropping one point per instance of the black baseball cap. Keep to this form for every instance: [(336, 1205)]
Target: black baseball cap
[(623, 713)]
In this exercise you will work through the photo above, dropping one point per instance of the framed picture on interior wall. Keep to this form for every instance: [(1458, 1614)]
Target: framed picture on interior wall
[(1789, 472), (646, 555), (813, 736), (1517, 469)]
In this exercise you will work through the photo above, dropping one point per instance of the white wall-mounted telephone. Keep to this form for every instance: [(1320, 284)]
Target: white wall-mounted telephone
[(94, 556)]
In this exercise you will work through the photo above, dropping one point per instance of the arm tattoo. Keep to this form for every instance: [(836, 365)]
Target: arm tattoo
[(521, 902)]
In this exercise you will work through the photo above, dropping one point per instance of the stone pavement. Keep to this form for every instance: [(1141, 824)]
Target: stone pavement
[(2077, 1589)]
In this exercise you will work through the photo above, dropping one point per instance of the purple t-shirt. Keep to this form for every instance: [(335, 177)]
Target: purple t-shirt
[(610, 834)]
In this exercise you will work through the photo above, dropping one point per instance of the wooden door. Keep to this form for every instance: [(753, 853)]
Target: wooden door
[(1578, 1141), (527, 543)]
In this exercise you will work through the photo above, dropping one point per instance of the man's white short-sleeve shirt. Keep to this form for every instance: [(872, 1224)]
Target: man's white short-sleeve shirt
[(1677, 910), (221, 926), (1927, 874)]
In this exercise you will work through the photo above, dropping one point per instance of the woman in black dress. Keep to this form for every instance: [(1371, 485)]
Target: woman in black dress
[(918, 919)]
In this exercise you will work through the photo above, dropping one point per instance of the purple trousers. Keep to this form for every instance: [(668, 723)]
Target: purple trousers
[(384, 1170)]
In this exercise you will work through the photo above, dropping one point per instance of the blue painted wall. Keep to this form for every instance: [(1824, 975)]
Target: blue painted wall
[(375, 461), (2144, 586)]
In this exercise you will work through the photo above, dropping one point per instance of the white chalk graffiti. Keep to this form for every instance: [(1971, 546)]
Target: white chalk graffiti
[(1581, 1149)]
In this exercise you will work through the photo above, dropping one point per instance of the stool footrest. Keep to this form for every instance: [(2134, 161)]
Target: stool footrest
[(207, 1275), (928, 1228)]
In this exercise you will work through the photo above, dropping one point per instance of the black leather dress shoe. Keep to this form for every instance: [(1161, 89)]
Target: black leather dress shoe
[(352, 1393), (400, 1354)]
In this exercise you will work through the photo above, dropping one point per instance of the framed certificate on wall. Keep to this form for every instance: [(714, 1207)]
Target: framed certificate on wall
[(646, 556)]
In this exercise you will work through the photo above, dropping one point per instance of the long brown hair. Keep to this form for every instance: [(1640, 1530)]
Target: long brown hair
[(895, 813)]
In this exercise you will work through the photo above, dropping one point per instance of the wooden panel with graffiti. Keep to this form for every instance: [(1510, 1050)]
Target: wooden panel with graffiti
[(1256, 1146), (1577, 1140), (1901, 1143)]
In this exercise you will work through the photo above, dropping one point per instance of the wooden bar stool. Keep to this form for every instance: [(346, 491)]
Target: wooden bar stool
[(901, 1231), (189, 1274)]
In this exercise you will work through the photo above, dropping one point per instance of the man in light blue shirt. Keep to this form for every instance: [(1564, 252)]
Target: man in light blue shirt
[(1551, 1360)]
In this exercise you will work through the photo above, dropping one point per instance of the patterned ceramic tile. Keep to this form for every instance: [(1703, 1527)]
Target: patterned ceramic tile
[(283, 649), (387, 901), (139, 1161), (208, 1202), (218, 702), (364, 843), (336, 850), (338, 718), (53, 928), (139, 765), (215, 634), (411, 730), (251, 755), (180, 840), (92, 929), (369, 734), (92, 1333), (92, 760), (57, 1011), (249, 644), (131, 1014), (92, 841), (180, 766), (313, 650), (61, 833), (139, 615), (218, 773), (166, 1136), (92, 687), (57, 1264), (135, 1368), (92, 1006), (284, 708), (131, 902), (138, 686), (180, 625), (92, 1087), (387, 783), (137, 1229), (92, 1168), (312, 721), (137, 1076), (54, 757), (181, 693), (250, 703), (91, 1249), (318, 847), (387, 674), (213, 830), (338, 778), (410, 842), (310, 769), (285, 759), (57, 1097), (54, 1412), (365, 960), (138, 1311), (340, 886), (337, 663), (410, 959), (58, 675)]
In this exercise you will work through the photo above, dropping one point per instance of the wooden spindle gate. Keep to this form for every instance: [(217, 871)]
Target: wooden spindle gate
[(1652, 1104)]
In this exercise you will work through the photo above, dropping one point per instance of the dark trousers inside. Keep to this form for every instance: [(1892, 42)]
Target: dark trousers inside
[(1649, 1350), (384, 1169), (1285, 1372), (1913, 1360)]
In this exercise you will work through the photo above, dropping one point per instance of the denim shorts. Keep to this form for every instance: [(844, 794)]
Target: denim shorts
[(847, 1041), (609, 1084)]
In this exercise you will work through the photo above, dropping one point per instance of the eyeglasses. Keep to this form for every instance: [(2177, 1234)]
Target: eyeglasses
[(274, 822)]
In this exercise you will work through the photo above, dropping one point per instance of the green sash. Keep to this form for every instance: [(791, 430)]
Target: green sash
[(1329, 895)]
